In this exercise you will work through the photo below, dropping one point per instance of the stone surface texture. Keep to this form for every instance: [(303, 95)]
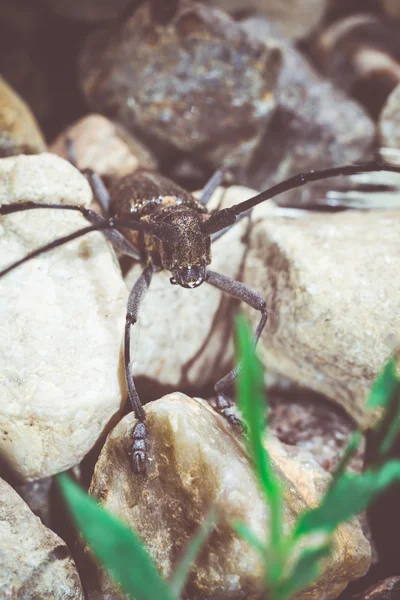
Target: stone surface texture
[(388, 589), (314, 126), (389, 121), (34, 562), (105, 147), (333, 297), (198, 461), (191, 79), (296, 19), (183, 337), (61, 327), (19, 131)]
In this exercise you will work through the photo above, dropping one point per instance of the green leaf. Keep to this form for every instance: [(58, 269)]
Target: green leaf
[(386, 386), (304, 572), (249, 536), (346, 498), (117, 547), (180, 575), (251, 401)]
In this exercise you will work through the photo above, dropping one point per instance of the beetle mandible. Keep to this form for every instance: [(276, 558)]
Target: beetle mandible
[(161, 225)]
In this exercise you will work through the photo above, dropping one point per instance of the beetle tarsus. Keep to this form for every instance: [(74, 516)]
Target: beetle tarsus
[(139, 449)]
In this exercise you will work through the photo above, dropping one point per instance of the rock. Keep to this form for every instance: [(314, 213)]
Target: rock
[(359, 53), (389, 121), (183, 337), (197, 462), (303, 419), (296, 19), (192, 80), (105, 147), (388, 589), (315, 125), (62, 381), (91, 11), (333, 298), (392, 8), (19, 131), (34, 561)]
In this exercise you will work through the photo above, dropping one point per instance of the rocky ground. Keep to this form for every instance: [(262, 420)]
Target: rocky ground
[(267, 89)]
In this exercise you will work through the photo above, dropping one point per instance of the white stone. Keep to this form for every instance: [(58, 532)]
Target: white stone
[(331, 285), (197, 461), (62, 316), (34, 562)]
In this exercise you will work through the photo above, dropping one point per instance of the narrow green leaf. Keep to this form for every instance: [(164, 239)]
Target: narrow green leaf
[(304, 572), (386, 385), (252, 404), (117, 547), (249, 536), (181, 573), (346, 498)]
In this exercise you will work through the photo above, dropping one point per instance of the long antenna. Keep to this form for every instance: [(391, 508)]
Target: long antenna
[(227, 216), (159, 231)]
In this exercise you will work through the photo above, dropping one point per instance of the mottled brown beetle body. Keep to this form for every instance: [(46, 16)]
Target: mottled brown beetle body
[(147, 197)]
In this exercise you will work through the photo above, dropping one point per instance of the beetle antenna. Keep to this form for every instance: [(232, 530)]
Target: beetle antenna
[(227, 216), (159, 231)]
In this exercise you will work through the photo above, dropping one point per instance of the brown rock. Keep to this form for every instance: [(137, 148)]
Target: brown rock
[(34, 561), (105, 147), (192, 80), (333, 298), (389, 121), (19, 131), (392, 8), (196, 462), (296, 19), (314, 126), (389, 589)]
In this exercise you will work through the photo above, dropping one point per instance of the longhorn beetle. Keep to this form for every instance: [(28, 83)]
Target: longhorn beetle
[(159, 224)]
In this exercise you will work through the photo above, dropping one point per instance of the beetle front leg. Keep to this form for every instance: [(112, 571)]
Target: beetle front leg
[(140, 432), (241, 292)]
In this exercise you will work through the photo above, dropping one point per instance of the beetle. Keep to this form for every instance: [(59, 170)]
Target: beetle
[(158, 223)]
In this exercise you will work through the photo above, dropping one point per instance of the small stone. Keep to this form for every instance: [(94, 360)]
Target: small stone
[(91, 11), (182, 339), (389, 121), (197, 461), (62, 382), (192, 80), (392, 8), (315, 125), (296, 19), (34, 561), (19, 131), (333, 298), (388, 589), (105, 147)]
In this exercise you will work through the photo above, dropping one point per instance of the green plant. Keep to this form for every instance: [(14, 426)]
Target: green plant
[(289, 564)]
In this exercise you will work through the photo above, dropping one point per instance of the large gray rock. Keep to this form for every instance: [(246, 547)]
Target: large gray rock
[(333, 295), (197, 461), (61, 381), (190, 78), (34, 561)]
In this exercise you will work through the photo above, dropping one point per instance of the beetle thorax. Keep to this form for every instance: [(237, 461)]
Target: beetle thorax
[(186, 251)]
